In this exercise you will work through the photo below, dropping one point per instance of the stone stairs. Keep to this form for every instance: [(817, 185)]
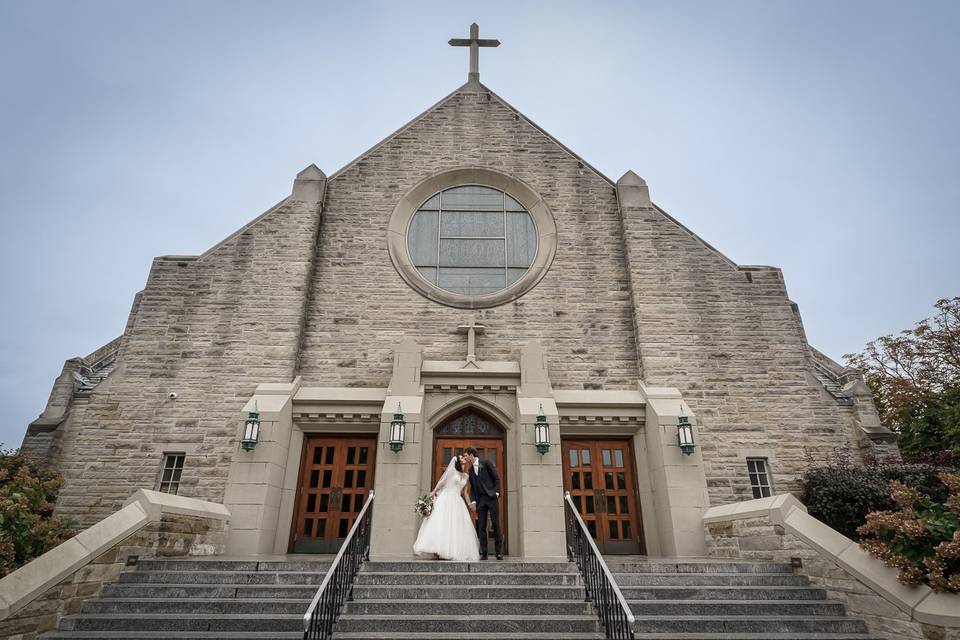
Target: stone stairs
[(266, 599), (714, 600), (201, 599), (500, 600)]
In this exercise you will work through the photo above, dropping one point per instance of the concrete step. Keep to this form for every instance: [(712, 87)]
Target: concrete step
[(425, 578), (174, 635), (753, 624), (262, 592), (440, 566), (221, 577), (473, 592), (492, 608), (654, 566), (737, 607), (721, 592), (480, 634), (709, 579), (755, 636), (182, 622), (471, 635), (176, 606), (310, 566), (448, 623)]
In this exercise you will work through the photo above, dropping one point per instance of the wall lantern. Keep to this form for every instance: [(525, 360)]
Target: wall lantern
[(397, 428), (251, 429), (685, 433), (541, 433)]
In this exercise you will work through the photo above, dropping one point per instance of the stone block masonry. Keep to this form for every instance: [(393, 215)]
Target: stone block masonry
[(209, 329)]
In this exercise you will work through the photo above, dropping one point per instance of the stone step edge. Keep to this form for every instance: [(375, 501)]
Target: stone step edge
[(737, 602), (454, 617), (755, 636), (501, 574), (250, 600), (506, 635), (177, 635), (740, 618)]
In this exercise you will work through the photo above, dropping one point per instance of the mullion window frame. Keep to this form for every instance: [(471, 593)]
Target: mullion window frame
[(758, 473), (169, 463)]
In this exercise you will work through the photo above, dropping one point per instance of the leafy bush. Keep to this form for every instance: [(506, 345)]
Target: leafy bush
[(841, 494), (28, 528), (921, 538)]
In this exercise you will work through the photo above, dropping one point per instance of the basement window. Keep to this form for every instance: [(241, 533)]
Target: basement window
[(172, 469), (759, 477)]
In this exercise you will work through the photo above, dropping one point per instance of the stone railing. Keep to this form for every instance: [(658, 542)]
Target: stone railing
[(151, 524), (779, 529)]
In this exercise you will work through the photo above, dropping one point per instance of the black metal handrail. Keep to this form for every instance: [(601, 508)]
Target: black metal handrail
[(337, 585), (601, 587)]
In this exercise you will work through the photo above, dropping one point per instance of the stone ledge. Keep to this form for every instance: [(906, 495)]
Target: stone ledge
[(23, 586), (920, 603)]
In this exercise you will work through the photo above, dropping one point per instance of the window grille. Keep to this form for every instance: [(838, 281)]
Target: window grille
[(172, 470), (759, 477)]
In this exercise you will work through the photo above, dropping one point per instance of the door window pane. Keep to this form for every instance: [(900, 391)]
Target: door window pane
[(585, 456), (573, 458), (614, 530), (587, 480), (607, 460)]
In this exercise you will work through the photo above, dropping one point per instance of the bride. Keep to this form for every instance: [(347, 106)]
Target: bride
[(448, 531)]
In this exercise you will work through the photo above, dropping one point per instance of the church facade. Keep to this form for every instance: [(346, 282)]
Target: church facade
[(470, 273)]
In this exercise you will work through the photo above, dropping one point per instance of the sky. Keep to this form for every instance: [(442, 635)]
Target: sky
[(819, 137)]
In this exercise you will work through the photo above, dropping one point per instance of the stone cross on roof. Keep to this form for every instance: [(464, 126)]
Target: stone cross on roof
[(474, 42)]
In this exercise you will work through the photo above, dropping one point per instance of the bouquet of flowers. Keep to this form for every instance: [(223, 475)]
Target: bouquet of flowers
[(424, 505)]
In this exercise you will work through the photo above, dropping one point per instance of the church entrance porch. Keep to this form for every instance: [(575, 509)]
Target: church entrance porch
[(470, 428), (336, 474), (600, 478)]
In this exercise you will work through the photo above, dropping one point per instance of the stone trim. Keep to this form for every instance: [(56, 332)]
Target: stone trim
[(64, 563), (779, 527), (531, 201)]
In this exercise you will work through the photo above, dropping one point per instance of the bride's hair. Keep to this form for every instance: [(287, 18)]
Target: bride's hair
[(457, 465)]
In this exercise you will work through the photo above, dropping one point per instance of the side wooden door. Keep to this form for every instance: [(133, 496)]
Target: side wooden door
[(336, 475), (599, 476)]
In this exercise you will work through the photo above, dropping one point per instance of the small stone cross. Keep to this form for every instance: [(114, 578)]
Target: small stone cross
[(474, 42), (471, 329)]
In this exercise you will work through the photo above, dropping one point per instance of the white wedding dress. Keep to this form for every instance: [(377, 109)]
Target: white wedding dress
[(448, 531)]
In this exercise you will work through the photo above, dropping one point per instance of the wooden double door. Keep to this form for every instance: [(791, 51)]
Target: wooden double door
[(336, 476), (600, 477), (472, 429)]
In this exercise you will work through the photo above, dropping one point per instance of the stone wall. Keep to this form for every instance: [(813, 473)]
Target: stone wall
[(361, 308), (760, 538), (208, 329), (172, 536), (730, 339)]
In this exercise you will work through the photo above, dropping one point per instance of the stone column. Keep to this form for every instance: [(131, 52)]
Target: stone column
[(540, 486), (255, 481), (679, 482), (397, 482)]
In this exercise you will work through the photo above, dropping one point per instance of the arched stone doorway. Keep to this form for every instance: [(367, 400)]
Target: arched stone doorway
[(471, 427)]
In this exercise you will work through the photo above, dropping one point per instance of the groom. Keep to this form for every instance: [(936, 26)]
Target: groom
[(485, 496)]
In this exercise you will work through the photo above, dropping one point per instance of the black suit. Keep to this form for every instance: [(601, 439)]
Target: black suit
[(485, 490)]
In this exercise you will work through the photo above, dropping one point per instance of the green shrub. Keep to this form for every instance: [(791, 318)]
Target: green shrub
[(28, 528), (921, 538), (841, 494)]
